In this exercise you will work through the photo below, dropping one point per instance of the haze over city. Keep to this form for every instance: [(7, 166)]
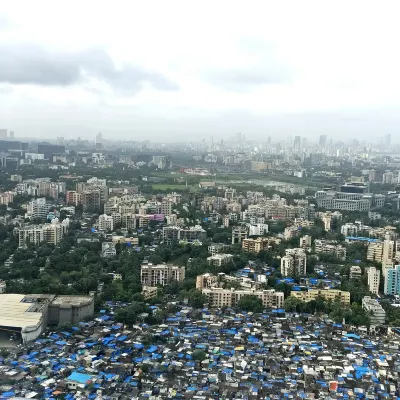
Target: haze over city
[(177, 70)]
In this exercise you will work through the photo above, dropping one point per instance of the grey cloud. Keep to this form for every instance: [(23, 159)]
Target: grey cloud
[(29, 64)]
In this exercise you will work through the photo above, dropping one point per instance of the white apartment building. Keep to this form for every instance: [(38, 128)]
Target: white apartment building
[(388, 250), (38, 209), (6, 197), (191, 234), (257, 229), (166, 207), (355, 272), (375, 251), (215, 248), (330, 247), (374, 278), (294, 262), (238, 234), (105, 223), (305, 241), (349, 229), (206, 281), (50, 233), (108, 250), (161, 274), (376, 313), (383, 252), (219, 297), (290, 232), (219, 259)]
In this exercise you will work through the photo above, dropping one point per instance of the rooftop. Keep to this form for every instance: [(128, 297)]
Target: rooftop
[(15, 312)]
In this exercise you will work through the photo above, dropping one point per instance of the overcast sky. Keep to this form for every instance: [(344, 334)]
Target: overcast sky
[(195, 69)]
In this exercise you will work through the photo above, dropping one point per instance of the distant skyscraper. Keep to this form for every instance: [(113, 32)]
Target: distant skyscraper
[(3, 133), (387, 140), (297, 142), (323, 140), (372, 175), (12, 134), (269, 140), (99, 137)]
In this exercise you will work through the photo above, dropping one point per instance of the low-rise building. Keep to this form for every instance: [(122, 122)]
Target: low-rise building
[(374, 310), (326, 294), (355, 272), (108, 250), (239, 233), (219, 259), (330, 247), (219, 297), (206, 281), (215, 248), (259, 244), (149, 292)]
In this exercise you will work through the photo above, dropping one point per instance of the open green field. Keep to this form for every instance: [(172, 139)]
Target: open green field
[(175, 186)]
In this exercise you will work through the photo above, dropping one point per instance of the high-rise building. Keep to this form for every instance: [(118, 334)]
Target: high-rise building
[(388, 177), (323, 139), (11, 135), (50, 149), (105, 223), (388, 250), (374, 278), (166, 207), (162, 274), (372, 175), (387, 140), (392, 280), (46, 233), (73, 197), (3, 133), (294, 262), (297, 142)]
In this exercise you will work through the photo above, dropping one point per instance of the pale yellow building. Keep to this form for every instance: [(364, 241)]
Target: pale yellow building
[(327, 294)]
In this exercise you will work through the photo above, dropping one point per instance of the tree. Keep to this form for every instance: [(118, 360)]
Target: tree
[(291, 304), (251, 303), (197, 299), (199, 355), (129, 315)]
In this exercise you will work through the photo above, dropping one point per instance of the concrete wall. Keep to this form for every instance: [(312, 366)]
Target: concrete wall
[(67, 314)]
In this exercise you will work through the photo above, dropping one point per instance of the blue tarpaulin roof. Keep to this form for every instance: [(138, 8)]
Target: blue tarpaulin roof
[(79, 377)]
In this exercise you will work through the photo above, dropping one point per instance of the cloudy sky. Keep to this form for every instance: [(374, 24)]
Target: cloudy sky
[(169, 70)]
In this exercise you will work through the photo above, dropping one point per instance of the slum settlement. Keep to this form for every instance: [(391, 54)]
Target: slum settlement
[(205, 355)]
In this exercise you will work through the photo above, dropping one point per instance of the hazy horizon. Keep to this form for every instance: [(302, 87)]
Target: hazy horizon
[(175, 70)]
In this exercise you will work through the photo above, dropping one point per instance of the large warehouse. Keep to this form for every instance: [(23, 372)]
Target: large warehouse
[(21, 316), (26, 316)]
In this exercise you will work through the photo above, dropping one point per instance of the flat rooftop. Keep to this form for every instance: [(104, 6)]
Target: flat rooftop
[(72, 300), (14, 312)]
